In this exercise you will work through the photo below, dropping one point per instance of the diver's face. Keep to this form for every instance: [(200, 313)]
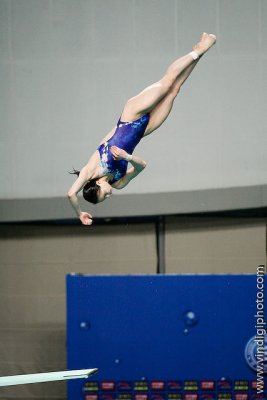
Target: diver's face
[(105, 191)]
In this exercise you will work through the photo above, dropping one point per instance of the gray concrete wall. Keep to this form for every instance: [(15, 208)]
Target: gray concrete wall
[(136, 205)]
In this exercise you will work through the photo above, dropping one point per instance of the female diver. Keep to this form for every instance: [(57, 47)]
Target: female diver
[(142, 114)]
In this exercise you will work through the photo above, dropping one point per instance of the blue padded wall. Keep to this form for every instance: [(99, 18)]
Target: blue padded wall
[(148, 332)]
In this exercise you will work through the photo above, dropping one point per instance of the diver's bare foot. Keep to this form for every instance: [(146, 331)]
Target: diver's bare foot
[(206, 42)]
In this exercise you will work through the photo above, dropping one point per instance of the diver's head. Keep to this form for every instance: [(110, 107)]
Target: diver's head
[(96, 191)]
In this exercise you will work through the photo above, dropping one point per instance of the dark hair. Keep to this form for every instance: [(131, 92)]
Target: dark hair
[(90, 189)]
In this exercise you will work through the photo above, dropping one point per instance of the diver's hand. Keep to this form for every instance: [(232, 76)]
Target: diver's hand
[(118, 154), (86, 218)]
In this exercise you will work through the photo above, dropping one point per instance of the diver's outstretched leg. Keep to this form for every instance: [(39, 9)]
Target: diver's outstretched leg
[(148, 99), (162, 110)]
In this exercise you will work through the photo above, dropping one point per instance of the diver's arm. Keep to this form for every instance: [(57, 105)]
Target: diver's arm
[(83, 177), (137, 163), (138, 166)]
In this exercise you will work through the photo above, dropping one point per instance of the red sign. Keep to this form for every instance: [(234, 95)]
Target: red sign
[(207, 385), (91, 397), (241, 396), (191, 396), (157, 385), (141, 397), (254, 385), (110, 386)]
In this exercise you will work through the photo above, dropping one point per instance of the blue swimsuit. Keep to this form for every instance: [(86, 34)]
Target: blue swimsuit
[(126, 136)]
